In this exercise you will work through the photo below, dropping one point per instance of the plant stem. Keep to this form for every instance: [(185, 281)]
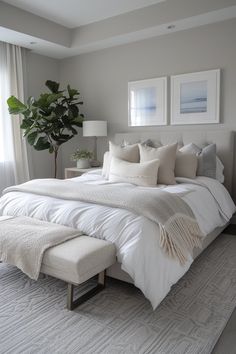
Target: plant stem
[(55, 162)]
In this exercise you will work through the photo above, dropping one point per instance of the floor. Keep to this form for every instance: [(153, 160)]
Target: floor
[(119, 319), (227, 341)]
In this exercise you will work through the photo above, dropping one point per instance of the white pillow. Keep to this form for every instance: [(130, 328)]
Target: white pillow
[(167, 156), (106, 165), (128, 153), (141, 174)]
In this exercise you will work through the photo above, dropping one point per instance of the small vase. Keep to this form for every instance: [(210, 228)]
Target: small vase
[(83, 163)]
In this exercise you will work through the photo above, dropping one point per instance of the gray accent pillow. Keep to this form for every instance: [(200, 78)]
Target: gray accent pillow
[(191, 149), (147, 142), (150, 143), (206, 159)]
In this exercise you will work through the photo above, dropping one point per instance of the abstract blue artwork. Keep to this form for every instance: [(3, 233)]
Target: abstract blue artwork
[(147, 102), (143, 105), (193, 97)]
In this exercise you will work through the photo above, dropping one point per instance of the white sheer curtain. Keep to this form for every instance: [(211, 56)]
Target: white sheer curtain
[(14, 167)]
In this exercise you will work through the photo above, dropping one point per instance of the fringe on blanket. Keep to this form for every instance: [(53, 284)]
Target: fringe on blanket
[(179, 236)]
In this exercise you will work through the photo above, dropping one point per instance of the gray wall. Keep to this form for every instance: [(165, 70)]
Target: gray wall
[(38, 70), (102, 79), (102, 76)]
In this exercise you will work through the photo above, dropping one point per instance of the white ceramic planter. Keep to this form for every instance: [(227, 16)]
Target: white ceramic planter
[(83, 163)]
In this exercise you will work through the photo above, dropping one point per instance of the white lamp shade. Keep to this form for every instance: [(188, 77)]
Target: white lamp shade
[(94, 128)]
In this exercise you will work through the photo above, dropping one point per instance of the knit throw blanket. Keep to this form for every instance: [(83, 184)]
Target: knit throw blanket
[(24, 240), (179, 230)]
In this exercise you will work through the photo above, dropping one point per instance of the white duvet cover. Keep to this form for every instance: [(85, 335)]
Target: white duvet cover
[(136, 238)]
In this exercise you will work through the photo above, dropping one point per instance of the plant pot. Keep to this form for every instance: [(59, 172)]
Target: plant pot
[(83, 163)]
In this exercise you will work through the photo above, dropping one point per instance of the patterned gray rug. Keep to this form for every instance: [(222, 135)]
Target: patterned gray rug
[(119, 319)]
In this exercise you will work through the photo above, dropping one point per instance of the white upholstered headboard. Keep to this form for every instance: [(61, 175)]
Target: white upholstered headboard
[(223, 139)]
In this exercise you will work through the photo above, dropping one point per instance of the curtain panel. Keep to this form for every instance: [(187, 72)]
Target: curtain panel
[(14, 167)]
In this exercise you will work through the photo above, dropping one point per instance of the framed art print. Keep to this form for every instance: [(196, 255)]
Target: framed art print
[(195, 98), (147, 102)]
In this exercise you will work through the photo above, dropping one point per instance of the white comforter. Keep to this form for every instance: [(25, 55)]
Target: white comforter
[(136, 238)]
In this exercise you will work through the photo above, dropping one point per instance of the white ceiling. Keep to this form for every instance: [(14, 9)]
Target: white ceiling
[(34, 27), (74, 13)]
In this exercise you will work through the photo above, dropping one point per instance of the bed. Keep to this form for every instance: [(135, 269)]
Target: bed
[(136, 238), (224, 140)]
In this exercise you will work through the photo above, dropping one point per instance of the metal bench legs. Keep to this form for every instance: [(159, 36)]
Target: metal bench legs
[(73, 303)]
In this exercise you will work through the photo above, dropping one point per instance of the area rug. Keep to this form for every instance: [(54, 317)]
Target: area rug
[(33, 318)]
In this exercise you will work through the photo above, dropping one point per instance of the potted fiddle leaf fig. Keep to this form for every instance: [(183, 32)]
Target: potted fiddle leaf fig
[(51, 120)]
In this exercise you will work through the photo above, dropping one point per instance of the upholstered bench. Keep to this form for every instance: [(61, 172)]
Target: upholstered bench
[(78, 260)]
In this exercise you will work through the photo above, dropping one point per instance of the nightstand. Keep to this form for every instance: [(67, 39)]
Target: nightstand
[(71, 172)]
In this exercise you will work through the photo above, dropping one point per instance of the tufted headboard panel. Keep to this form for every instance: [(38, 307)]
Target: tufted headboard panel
[(223, 139)]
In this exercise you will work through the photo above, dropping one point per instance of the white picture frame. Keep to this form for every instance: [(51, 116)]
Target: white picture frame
[(195, 98), (147, 102)]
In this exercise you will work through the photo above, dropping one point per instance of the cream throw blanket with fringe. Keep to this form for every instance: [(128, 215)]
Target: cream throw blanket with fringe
[(24, 240), (179, 230)]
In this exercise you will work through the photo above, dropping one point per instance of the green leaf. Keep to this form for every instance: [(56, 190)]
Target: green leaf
[(27, 113), (74, 111), (72, 92), (78, 119), (52, 85), (45, 112), (42, 102), (54, 97), (27, 131), (42, 144), (26, 123), (73, 130), (51, 150), (32, 137), (60, 110), (15, 106), (62, 141), (30, 101), (60, 137)]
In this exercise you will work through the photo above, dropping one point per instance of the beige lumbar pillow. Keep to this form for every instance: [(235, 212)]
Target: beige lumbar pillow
[(167, 156), (128, 153), (186, 165), (141, 174)]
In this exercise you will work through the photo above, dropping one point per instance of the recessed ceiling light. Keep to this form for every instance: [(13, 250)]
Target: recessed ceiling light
[(33, 43), (170, 27)]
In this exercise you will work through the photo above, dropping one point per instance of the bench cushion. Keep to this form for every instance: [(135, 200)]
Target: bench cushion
[(79, 259)]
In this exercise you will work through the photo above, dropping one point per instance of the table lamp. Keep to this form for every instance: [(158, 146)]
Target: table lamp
[(95, 128)]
